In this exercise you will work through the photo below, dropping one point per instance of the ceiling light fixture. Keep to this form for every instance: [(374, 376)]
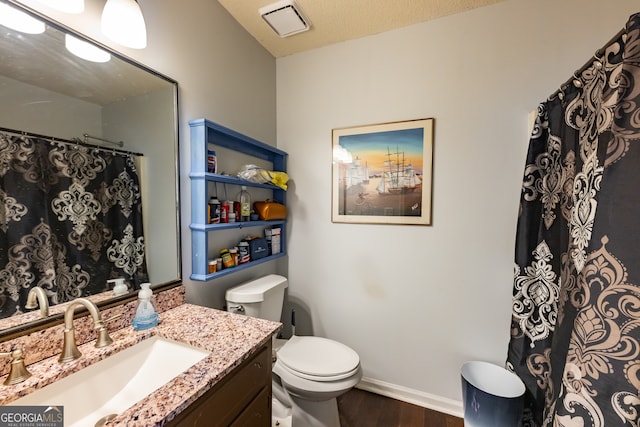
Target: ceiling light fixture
[(285, 18), (68, 6), (84, 50), (122, 22), (17, 20)]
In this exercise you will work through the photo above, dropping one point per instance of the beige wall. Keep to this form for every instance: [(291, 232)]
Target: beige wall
[(68, 118), (417, 302)]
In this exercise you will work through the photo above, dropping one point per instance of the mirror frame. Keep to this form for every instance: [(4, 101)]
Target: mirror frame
[(29, 327)]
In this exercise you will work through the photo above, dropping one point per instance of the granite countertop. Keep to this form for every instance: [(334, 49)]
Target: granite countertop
[(231, 339)]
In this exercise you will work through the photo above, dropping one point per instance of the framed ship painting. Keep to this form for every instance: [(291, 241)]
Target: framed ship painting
[(382, 173)]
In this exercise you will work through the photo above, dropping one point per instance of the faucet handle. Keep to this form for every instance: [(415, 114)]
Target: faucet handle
[(103, 332), (18, 372)]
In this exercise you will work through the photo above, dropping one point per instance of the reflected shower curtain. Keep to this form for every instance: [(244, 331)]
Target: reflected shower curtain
[(70, 219), (575, 333)]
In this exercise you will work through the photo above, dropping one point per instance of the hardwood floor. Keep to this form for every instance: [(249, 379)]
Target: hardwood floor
[(359, 408)]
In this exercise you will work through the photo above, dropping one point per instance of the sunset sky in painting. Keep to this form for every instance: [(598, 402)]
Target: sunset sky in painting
[(372, 148)]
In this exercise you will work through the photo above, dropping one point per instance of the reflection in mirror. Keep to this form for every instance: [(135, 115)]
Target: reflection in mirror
[(88, 149)]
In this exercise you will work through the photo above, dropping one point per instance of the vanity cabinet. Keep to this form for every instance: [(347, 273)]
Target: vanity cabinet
[(241, 398), (206, 135)]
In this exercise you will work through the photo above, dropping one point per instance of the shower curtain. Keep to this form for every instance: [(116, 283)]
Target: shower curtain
[(70, 219), (575, 332)]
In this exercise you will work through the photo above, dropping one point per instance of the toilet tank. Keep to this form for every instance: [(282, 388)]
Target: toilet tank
[(262, 297)]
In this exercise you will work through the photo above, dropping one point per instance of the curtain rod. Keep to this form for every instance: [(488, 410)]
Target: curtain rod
[(575, 79), (97, 138), (69, 141)]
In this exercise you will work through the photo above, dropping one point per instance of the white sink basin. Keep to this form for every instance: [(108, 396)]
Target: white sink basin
[(117, 382)]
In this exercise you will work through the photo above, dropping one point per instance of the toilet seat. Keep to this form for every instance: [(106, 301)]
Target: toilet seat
[(318, 359)]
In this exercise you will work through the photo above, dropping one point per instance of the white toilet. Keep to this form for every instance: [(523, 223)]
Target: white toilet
[(309, 372)]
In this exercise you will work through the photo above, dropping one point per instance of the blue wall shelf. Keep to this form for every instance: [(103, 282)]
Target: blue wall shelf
[(203, 134)]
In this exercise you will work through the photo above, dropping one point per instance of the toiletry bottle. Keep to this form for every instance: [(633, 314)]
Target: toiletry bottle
[(146, 316), (243, 252), (245, 205), (227, 260), (224, 211), (119, 288), (212, 266), (275, 240), (214, 210), (234, 255), (212, 161)]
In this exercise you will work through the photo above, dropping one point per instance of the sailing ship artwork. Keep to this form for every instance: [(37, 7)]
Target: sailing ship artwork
[(382, 173)]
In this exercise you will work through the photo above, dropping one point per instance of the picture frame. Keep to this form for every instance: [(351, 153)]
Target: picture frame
[(382, 173)]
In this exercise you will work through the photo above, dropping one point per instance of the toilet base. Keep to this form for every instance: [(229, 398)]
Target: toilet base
[(280, 414), (297, 412), (309, 413)]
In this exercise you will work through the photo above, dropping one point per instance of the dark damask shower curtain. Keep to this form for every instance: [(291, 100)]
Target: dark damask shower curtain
[(70, 219), (575, 336)]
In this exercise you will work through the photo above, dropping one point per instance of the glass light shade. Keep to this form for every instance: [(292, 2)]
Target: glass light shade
[(85, 50), (17, 20), (122, 22), (68, 6)]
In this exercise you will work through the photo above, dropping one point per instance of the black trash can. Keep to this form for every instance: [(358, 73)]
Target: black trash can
[(491, 395)]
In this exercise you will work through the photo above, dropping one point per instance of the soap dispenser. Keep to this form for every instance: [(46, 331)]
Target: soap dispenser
[(119, 288), (146, 316)]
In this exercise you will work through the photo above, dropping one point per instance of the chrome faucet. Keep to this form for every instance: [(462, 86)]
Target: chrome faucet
[(70, 349), (36, 297)]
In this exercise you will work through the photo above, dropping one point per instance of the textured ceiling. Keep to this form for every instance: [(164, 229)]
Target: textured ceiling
[(333, 21)]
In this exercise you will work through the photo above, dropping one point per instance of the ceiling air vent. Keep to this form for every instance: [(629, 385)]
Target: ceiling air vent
[(284, 18)]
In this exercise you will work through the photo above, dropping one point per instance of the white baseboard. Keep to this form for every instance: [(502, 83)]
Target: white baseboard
[(416, 397)]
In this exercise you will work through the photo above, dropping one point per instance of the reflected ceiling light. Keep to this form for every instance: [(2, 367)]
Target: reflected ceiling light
[(18, 20), (285, 18), (84, 50), (122, 22), (68, 6)]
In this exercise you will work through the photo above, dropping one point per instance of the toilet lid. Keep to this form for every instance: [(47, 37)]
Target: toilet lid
[(320, 358)]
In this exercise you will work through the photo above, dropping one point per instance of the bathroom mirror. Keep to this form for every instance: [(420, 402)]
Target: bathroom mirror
[(45, 90)]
